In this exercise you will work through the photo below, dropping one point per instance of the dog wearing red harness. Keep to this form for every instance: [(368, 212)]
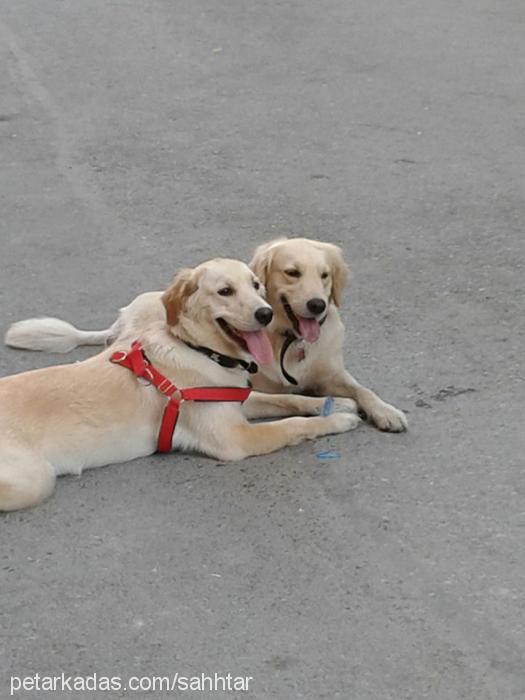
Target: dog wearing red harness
[(182, 382), (304, 281)]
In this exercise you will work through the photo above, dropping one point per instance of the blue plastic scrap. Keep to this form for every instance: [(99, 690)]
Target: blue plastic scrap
[(326, 410), (328, 406), (328, 454)]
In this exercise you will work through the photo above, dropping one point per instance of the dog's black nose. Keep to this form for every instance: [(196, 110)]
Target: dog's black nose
[(264, 315), (316, 306)]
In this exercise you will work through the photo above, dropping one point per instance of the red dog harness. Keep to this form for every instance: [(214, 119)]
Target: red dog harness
[(138, 363)]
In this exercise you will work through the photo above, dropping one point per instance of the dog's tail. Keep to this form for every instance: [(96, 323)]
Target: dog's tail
[(53, 335)]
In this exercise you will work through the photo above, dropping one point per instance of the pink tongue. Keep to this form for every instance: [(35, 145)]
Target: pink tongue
[(309, 329), (258, 345)]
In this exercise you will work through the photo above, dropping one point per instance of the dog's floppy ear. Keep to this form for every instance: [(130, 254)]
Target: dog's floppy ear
[(174, 298), (339, 270), (262, 259)]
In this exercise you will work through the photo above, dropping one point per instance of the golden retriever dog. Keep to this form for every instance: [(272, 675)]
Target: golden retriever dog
[(304, 281), (208, 338)]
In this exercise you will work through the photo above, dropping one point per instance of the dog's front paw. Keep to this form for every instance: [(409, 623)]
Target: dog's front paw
[(342, 422), (387, 417)]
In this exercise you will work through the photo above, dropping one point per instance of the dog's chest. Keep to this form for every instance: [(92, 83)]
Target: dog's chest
[(297, 362), (297, 352)]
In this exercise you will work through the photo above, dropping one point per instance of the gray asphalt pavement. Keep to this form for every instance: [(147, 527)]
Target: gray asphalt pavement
[(139, 137)]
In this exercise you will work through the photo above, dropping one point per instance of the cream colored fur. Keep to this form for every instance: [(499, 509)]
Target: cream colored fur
[(322, 370), (61, 420)]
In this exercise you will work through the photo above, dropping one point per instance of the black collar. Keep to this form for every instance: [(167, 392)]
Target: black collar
[(224, 360), (290, 337)]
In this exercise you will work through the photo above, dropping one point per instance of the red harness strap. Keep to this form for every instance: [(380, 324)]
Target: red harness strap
[(138, 363)]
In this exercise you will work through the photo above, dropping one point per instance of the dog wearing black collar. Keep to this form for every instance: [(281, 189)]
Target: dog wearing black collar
[(304, 282), (180, 381)]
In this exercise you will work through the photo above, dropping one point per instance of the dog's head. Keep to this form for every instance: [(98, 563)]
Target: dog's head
[(220, 304), (302, 277)]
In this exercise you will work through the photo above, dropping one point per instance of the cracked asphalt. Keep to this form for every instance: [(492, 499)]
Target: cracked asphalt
[(140, 137)]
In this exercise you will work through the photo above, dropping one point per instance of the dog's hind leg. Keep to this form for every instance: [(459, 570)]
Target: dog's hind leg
[(26, 478)]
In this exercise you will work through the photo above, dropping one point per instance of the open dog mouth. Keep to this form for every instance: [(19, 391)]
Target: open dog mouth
[(307, 328), (254, 342)]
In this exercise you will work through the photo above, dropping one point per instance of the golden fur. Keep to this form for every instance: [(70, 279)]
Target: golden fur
[(61, 420), (322, 369)]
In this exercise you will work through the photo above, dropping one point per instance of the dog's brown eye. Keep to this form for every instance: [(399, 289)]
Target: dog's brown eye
[(292, 273), (324, 275), (256, 284), (225, 292)]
